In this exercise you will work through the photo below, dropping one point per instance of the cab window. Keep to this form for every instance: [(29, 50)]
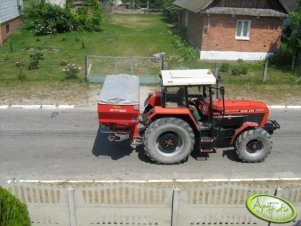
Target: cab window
[(175, 97)]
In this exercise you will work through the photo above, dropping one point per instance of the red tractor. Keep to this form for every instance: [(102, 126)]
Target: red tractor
[(184, 115)]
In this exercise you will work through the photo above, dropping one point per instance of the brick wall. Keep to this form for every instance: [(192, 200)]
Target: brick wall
[(13, 26), (220, 34)]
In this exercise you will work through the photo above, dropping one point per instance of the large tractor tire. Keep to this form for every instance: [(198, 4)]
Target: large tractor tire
[(253, 145), (168, 140)]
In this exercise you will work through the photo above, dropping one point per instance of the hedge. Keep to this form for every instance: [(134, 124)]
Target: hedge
[(12, 211)]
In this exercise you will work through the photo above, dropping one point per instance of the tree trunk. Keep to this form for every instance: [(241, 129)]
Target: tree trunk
[(298, 59), (298, 65), (293, 66)]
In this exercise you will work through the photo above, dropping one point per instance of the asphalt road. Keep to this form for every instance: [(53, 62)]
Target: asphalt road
[(49, 145)]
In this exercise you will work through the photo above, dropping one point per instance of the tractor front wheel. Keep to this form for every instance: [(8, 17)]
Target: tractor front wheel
[(168, 140), (253, 145)]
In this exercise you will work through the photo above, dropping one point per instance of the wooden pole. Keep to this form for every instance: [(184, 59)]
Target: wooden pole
[(265, 73)]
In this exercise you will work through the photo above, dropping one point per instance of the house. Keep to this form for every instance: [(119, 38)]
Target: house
[(10, 18), (233, 29)]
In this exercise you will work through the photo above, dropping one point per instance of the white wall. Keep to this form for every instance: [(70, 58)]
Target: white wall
[(57, 2), (232, 55)]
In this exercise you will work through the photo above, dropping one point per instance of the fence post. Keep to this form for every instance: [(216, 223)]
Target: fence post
[(175, 206), (265, 73), (21, 75), (164, 65), (86, 68), (71, 206)]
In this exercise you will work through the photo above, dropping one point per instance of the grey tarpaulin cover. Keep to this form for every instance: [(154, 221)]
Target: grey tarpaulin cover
[(120, 90)]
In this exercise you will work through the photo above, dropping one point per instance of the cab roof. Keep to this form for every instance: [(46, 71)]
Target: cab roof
[(191, 77)]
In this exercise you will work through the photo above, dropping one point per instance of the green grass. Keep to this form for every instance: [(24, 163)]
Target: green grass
[(123, 35)]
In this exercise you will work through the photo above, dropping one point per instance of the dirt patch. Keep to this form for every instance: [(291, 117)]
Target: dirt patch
[(85, 95), (79, 94)]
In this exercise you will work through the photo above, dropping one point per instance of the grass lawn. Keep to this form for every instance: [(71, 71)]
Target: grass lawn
[(123, 35)]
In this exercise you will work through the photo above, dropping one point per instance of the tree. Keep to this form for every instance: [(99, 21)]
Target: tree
[(294, 41)]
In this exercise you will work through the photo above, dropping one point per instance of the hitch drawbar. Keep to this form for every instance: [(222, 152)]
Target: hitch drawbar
[(271, 125)]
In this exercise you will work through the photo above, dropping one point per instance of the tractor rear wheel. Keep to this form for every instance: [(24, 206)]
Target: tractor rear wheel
[(168, 140), (253, 145)]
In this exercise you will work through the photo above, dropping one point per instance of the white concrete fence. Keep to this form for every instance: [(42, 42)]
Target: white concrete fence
[(149, 204)]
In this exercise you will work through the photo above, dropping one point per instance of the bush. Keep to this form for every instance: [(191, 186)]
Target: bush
[(49, 19), (170, 11), (239, 70), (72, 71), (35, 60), (224, 67), (283, 56), (33, 64), (89, 17), (12, 211), (37, 56), (184, 50), (46, 18)]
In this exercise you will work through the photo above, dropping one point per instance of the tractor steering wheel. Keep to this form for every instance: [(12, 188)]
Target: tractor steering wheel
[(196, 101)]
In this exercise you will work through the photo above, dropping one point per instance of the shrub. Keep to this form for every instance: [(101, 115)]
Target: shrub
[(33, 64), (48, 19), (37, 56), (72, 71), (224, 67), (283, 56), (170, 11), (12, 211), (183, 49), (89, 16), (239, 70), (35, 60)]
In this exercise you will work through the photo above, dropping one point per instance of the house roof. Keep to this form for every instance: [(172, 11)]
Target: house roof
[(245, 11), (9, 10), (289, 5), (197, 6), (193, 5)]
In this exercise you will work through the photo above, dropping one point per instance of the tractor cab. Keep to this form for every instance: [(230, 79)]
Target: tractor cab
[(192, 89)]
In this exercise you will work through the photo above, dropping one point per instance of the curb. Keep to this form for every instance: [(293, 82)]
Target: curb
[(66, 107), (285, 106), (38, 107), (155, 180)]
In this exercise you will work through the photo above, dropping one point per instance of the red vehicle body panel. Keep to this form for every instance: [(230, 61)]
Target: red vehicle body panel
[(155, 99), (238, 107), (242, 128), (120, 117), (172, 111)]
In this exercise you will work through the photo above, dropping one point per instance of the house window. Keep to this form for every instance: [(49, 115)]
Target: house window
[(7, 29), (243, 28)]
